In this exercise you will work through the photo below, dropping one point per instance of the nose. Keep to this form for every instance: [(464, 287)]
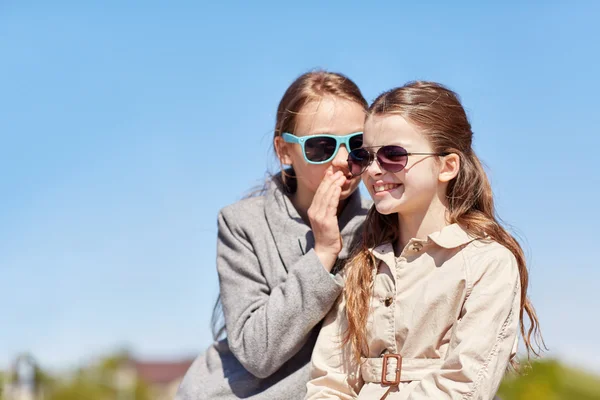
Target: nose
[(374, 169), (340, 160)]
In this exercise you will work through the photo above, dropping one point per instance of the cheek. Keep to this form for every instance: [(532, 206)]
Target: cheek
[(298, 161), (297, 155), (421, 179), (310, 174)]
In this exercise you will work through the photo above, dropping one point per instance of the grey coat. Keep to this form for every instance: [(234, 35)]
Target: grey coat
[(275, 292)]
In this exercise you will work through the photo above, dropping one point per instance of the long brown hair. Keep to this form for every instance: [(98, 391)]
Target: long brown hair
[(439, 115), (308, 87)]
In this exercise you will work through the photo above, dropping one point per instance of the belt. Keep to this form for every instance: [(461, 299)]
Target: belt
[(391, 369)]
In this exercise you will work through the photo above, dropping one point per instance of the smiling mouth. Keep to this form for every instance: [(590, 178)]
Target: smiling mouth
[(385, 188)]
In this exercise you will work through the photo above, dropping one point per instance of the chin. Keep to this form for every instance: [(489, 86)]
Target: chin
[(347, 192), (385, 208)]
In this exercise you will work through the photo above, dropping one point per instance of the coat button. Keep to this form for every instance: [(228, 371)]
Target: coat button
[(388, 301), (417, 246)]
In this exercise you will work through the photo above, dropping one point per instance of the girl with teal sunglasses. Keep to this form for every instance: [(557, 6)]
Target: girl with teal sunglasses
[(279, 251)]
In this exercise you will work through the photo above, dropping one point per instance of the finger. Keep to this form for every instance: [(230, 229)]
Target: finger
[(324, 186), (341, 180), (317, 201), (325, 182), (332, 198), (334, 201), (332, 191)]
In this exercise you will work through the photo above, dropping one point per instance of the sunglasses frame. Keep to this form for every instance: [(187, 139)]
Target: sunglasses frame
[(374, 155), (339, 139)]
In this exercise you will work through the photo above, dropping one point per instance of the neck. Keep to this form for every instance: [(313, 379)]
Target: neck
[(302, 201), (419, 224)]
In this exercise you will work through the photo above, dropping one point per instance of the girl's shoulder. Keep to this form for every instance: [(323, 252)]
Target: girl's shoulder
[(256, 211), (258, 201), (486, 257), (246, 205), (245, 214), (487, 248)]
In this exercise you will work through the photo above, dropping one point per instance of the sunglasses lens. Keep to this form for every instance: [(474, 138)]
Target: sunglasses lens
[(319, 149), (392, 158), (358, 161), (355, 142)]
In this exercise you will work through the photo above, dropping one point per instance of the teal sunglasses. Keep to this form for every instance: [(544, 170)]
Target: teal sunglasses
[(319, 149)]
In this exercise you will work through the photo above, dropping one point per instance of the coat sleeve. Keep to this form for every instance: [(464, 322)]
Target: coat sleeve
[(333, 374), (266, 326), (483, 338)]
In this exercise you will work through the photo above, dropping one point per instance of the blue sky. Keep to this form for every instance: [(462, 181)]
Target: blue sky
[(125, 128)]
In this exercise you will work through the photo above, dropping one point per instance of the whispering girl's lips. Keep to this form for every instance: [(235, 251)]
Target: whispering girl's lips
[(348, 183)]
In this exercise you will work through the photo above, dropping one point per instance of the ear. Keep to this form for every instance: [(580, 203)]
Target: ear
[(450, 165), (283, 150)]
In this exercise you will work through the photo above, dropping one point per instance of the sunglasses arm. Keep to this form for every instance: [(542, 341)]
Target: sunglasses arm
[(289, 138)]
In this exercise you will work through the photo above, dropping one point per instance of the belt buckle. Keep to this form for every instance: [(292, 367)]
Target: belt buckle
[(396, 380)]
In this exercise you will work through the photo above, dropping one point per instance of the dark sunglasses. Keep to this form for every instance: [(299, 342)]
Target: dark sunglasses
[(391, 158), (319, 149)]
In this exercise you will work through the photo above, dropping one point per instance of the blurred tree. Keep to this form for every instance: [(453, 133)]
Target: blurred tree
[(2, 385), (100, 381), (550, 380), (542, 380)]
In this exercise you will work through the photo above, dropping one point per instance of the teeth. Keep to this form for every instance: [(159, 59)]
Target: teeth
[(387, 186)]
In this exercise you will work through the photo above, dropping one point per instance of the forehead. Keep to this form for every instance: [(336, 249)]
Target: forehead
[(330, 115), (391, 129)]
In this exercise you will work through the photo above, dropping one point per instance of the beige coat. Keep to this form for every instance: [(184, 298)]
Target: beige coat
[(449, 305)]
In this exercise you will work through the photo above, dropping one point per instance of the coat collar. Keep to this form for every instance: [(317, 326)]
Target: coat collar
[(293, 237), (449, 237)]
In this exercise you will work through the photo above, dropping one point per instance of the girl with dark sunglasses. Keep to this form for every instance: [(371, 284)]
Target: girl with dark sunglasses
[(436, 295), (278, 252)]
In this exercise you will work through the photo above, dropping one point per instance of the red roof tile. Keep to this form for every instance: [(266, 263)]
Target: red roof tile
[(161, 372)]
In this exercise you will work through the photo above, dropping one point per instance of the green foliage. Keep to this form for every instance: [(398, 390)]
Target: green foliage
[(93, 382), (550, 380), (90, 389), (78, 389), (112, 362), (542, 380)]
